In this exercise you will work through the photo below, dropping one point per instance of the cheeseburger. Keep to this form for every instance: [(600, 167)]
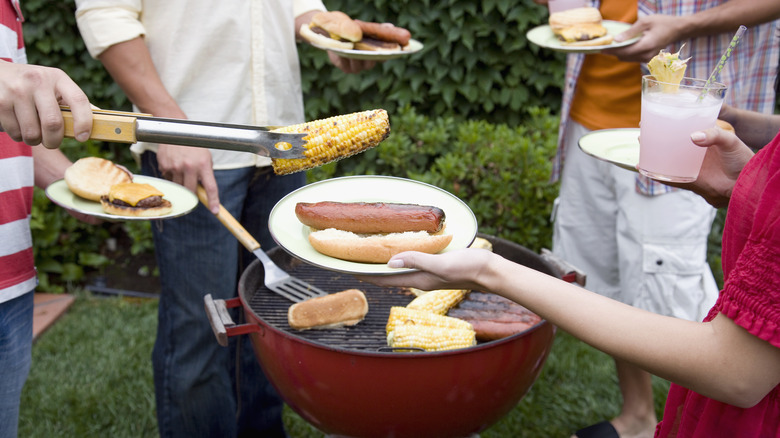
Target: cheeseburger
[(332, 30), (579, 27), (135, 199)]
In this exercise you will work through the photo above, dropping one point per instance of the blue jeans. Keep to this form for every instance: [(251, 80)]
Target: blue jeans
[(16, 335), (201, 388)]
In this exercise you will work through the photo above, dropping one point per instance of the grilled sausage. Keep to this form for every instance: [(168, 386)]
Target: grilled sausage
[(385, 32), (370, 218)]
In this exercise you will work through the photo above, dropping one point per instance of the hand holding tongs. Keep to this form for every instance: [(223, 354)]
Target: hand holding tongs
[(127, 127)]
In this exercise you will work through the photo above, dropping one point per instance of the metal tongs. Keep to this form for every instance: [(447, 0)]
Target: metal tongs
[(127, 127)]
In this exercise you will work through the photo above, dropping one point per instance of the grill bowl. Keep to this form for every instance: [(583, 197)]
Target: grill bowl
[(341, 383)]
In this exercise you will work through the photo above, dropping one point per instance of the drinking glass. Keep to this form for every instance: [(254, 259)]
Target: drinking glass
[(670, 114)]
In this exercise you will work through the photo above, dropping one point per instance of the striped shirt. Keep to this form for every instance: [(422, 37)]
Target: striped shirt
[(17, 269), (750, 73)]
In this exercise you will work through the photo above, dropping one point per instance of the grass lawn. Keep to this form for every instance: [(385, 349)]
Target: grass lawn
[(92, 377)]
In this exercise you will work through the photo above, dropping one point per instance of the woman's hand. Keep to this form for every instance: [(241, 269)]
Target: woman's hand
[(459, 269)]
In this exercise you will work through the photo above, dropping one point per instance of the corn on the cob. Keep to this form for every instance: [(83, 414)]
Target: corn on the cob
[(403, 315), (430, 338), (438, 301), (335, 138)]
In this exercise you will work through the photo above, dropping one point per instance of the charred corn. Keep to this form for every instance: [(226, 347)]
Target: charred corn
[(335, 138), (438, 301), (403, 315), (430, 338)]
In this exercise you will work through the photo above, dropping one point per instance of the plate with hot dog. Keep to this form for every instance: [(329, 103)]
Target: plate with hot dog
[(356, 223), (337, 32)]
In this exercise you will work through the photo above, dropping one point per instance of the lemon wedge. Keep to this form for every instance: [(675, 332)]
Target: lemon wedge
[(668, 68)]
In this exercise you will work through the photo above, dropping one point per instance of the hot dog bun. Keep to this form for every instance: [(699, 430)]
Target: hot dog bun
[(92, 177), (339, 309), (334, 29), (579, 27), (375, 248)]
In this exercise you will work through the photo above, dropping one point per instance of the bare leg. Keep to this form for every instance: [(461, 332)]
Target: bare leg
[(637, 417)]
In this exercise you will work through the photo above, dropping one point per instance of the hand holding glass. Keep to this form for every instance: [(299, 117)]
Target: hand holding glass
[(669, 115)]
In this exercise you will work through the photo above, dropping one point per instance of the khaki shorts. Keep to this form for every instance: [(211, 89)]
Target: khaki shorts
[(646, 251)]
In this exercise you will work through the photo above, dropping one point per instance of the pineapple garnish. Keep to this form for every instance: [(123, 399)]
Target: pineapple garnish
[(668, 68)]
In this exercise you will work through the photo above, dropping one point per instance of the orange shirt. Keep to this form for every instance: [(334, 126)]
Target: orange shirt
[(608, 93)]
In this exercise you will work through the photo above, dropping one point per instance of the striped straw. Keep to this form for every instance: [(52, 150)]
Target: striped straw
[(715, 73)]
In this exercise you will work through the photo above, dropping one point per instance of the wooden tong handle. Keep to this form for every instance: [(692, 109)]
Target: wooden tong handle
[(230, 222), (115, 126)]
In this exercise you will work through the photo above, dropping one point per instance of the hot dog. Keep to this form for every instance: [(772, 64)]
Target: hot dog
[(384, 32), (374, 217), (372, 232), (493, 316)]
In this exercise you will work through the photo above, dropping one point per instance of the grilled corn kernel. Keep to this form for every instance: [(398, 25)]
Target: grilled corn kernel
[(403, 315), (430, 338), (335, 138), (438, 301)]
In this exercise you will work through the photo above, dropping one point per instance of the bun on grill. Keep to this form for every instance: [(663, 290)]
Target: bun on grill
[(92, 177), (339, 309)]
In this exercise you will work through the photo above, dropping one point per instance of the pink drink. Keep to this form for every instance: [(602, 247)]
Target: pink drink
[(666, 151)]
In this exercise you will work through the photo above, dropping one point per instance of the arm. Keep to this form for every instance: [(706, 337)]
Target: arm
[(754, 128), (29, 108), (709, 358), (131, 66), (660, 31)]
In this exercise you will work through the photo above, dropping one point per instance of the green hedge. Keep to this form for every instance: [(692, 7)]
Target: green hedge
[(464, 114)]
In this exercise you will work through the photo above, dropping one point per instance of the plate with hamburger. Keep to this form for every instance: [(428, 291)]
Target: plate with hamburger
[(354, 224), (100, 188), (337, 32), (579, 30)]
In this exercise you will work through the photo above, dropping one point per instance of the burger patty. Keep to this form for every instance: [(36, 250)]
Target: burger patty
[(150, 202)]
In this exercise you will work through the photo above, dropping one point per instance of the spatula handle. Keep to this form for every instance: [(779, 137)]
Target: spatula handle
[(106, 125), (230, 222)]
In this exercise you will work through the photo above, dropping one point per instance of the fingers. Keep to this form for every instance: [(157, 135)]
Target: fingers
[(212, 191), (635, 30), (30, 110)]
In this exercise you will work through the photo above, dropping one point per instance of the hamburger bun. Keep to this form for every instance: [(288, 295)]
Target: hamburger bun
[(724, 125), (579, 27), (375, 248), (375, 45), (92, 177), (334, 30), (137, 200)]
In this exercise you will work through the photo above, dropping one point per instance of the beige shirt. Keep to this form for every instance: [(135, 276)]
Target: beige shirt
[(233, 61)]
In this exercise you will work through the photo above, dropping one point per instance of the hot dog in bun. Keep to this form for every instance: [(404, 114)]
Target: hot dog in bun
[(579, 27), (134, 199), (332, 30), (382, 37), (373, 232)]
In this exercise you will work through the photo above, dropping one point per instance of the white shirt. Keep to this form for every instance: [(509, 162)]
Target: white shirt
[(233, 61)]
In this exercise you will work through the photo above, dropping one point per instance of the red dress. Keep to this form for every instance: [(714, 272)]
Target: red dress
[(750, 297)]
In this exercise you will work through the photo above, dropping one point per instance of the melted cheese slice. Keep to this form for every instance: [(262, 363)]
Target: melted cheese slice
[(132, 193)]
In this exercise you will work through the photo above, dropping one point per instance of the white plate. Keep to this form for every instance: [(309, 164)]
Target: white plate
[(414, 46), (617, 146), (543, 36), (292, 235), (182, 200)]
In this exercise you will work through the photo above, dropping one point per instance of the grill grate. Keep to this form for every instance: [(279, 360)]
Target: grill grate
[(367, 335)]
